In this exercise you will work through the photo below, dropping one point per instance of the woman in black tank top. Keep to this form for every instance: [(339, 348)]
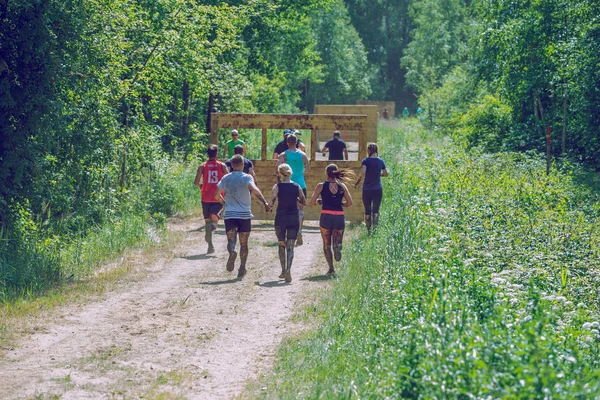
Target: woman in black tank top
[(332, 223), (287, 223)]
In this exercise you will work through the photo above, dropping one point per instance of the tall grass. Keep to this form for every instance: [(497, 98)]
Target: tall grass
[(482, 281)]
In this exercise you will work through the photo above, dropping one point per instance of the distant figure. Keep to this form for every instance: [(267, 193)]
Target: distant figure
[(386, 115), (405, 112), (282, 146), (248, 166), (419, 111), (337, 148), (207, 177), (230, 145)]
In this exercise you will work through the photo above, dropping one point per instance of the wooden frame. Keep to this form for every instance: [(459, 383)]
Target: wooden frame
[(265, 168)]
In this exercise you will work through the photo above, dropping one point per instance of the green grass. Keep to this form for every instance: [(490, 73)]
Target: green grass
[(482, 281)]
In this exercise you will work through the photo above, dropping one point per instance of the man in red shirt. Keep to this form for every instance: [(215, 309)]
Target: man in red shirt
[(207, 177)]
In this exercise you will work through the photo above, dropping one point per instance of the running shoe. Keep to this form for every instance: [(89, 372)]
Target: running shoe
[(230, 261), (337, 254), (282, 275), (288, 277), (331, 272), (210, 250), (299, 241), (241, 272)]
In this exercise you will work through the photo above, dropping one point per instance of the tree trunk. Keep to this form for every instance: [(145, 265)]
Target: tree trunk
[(564, 121), (185, 122)]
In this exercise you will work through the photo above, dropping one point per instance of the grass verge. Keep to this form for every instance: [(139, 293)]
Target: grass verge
[(482, 281)]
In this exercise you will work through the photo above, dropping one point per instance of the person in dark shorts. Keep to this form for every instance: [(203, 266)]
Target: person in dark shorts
[(282, 146), (287, 223), (207, 177), (337, 148), (298, 161), (248, 166), (332, 222), (237, 187), (373, 168)]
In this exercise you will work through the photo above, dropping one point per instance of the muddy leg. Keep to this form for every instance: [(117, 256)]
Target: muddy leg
[(368, 223), (338, 236), (375, 220), (231, 242), (243, 253), (290, 259), (299, 241), (326, 235), (208, 236), (282, 258)]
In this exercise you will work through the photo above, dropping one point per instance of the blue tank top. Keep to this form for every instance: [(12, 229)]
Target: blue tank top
[(294, 160)]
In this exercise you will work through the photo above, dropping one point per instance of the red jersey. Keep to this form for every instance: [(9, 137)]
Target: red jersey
[(212, 174)]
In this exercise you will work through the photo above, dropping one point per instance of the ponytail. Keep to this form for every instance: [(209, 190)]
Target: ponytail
[(345, 175)]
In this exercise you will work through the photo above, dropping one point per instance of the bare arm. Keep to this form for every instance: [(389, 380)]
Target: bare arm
[(384, 172), (301, 146), (302, 199), (274, 193), (306, 163), (199, 176), (363, 171), (224, 168), (347, 196), (258, 194), (219, 196), (251, 170), (324, 151), (225, 151), (345, 153), (275, 156), (316, 193)]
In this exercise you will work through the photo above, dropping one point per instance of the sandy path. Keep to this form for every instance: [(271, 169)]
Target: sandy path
[(189, 329)]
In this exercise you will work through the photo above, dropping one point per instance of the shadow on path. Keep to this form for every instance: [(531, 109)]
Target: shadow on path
[(318, 278), (272, 284), (214, 283), (199, 257)]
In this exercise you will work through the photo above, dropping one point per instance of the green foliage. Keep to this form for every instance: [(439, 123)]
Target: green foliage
[(480, 282), (486, 124)]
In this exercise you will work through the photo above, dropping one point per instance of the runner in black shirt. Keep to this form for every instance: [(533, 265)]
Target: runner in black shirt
[(332, 222), (337, 148), (248, 166), (282, 146), (287, 221)]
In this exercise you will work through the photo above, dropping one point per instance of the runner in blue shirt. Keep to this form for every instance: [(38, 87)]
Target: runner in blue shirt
[(373, 168)]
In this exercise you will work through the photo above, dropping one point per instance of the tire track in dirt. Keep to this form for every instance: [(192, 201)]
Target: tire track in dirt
[(189, 329)]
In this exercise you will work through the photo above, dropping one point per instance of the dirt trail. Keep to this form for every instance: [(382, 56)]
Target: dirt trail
[(187, 330)]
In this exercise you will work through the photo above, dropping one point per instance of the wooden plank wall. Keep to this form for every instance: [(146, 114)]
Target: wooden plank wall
[(381, 106), (265, 168)]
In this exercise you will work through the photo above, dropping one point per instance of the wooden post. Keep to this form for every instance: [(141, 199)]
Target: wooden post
[(313, 144), (214, 129), (263, 155), (548, 150)]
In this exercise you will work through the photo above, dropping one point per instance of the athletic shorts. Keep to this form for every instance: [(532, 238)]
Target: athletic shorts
[(330, 221), (242, 225), (286, 226), (372, 200), (211, 208)]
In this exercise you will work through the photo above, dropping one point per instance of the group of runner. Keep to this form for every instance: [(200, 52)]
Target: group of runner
[(231, 184)]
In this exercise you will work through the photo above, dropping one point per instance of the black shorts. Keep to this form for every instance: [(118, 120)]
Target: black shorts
[(242, 225), (330, 221), (211, 208), (286, 226)]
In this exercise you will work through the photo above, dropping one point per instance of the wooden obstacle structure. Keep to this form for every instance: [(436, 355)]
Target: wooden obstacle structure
[(390, 106), (265, 167)]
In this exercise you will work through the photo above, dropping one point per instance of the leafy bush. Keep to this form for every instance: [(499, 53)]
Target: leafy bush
[(486, 124)]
